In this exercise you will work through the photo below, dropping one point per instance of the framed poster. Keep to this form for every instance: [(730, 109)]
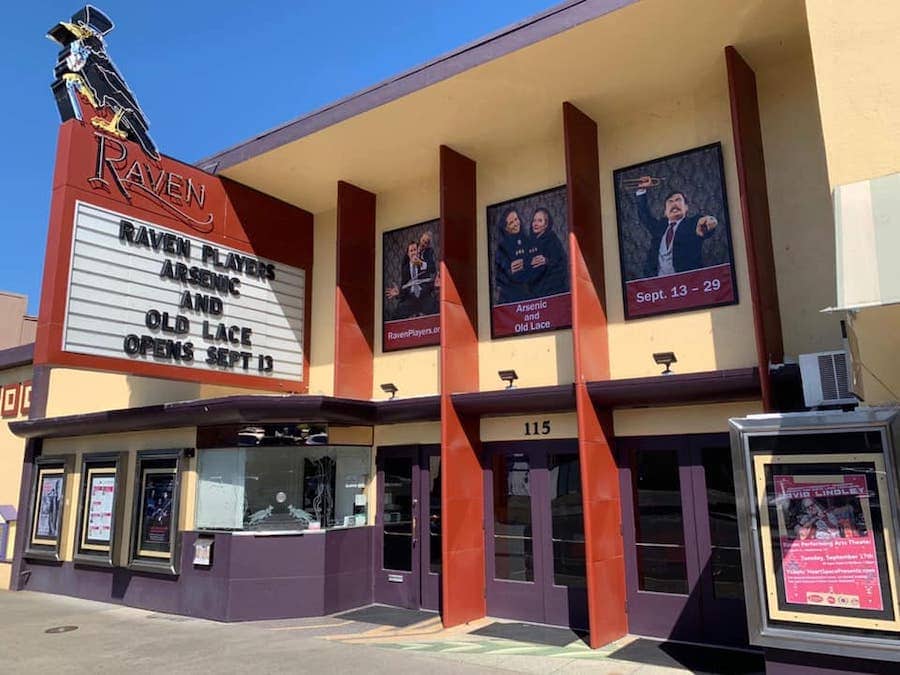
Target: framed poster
[(155, 525), (410, 313), (528, 248), (47, 508), (98, 509), (675, 250), (826, 534)]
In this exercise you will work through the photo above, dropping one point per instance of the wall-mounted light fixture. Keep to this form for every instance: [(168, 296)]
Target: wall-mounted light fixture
[(665, 359), (389, 388), (508, 376)]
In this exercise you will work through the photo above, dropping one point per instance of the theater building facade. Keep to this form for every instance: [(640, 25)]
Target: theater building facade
[(409, 349)]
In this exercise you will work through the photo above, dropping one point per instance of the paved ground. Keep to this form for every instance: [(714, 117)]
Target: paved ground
[(112, 639)]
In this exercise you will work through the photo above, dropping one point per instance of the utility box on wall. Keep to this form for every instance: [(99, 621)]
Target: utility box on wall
[(817, 506)]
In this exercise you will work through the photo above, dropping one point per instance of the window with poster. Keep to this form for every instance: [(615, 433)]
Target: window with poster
[(280, 477), (820, 541), (154, 525), (99, 510), (47, 507)]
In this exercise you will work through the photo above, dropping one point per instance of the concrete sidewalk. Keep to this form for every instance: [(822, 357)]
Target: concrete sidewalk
[(113, 639)]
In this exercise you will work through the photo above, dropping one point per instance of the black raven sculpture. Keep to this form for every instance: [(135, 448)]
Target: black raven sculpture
[(83, 67)]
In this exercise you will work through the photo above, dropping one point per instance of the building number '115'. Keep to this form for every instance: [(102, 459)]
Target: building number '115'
[(536, 428)]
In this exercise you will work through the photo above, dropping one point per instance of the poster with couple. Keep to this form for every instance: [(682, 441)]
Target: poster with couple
[(529, 264), (410, 313)]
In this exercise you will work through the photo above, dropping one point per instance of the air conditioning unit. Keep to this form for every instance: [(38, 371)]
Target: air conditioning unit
[(826, 379)]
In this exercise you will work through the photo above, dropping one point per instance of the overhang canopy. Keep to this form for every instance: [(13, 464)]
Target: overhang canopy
[(13, 357), (486, 100), (719, 385)]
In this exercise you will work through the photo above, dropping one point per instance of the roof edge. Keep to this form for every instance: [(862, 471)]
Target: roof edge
[(13, 357), (512, 38)]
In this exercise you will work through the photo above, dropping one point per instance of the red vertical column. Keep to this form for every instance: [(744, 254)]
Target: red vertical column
[(751, 169), (462, 487), (599, 474), (354, 293)]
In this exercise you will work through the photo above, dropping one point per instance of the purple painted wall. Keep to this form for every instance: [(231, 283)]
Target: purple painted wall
[(251, 578), (779, 662)]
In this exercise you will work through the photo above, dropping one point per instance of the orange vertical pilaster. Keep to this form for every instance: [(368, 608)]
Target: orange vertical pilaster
[(751, 170), (354, 303), (604, 553), (462, 481)]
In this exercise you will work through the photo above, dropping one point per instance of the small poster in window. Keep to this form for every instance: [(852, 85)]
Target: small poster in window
[(828, 551), (157, 495), (101, 498), (50, 496)]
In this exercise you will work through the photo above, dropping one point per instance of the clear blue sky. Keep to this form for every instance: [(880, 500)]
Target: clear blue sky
[(209, 74)]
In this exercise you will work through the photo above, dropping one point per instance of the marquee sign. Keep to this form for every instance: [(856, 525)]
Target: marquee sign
[(154, 267), (139, 291), (87, 77)]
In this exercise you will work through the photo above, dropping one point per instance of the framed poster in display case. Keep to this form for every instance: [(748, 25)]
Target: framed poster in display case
[(410, 275), (675, 249), (825, 534), (528, 249), (817, 508), (99, 508), (154, 527), (47, 507)]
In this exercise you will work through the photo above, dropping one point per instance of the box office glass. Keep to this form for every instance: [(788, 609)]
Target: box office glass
[(817, 511), (282, 488)]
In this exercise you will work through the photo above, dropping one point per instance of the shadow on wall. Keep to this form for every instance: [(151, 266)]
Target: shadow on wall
[(565, 357), (802, 221), (144, 391)]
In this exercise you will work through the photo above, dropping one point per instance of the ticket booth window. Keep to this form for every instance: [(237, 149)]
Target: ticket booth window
[(282, 488)]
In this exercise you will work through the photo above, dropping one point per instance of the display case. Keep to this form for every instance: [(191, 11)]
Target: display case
[(817, 506), (100, 510), (154, 530), (47, 507)]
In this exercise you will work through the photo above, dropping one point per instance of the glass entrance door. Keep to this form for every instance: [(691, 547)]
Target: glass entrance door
[(408, 527), (679, 519), (534, 533)]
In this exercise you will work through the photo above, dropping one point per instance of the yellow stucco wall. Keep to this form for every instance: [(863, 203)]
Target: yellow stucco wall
[(854, 48), (131, 443), (799, 205), (109, 391), (324, 278), (703, 340), (689, 419), (408, 433), (6, 567), (533, 427), (414, 371), (12, 451), (538, 163), (874, 337)]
